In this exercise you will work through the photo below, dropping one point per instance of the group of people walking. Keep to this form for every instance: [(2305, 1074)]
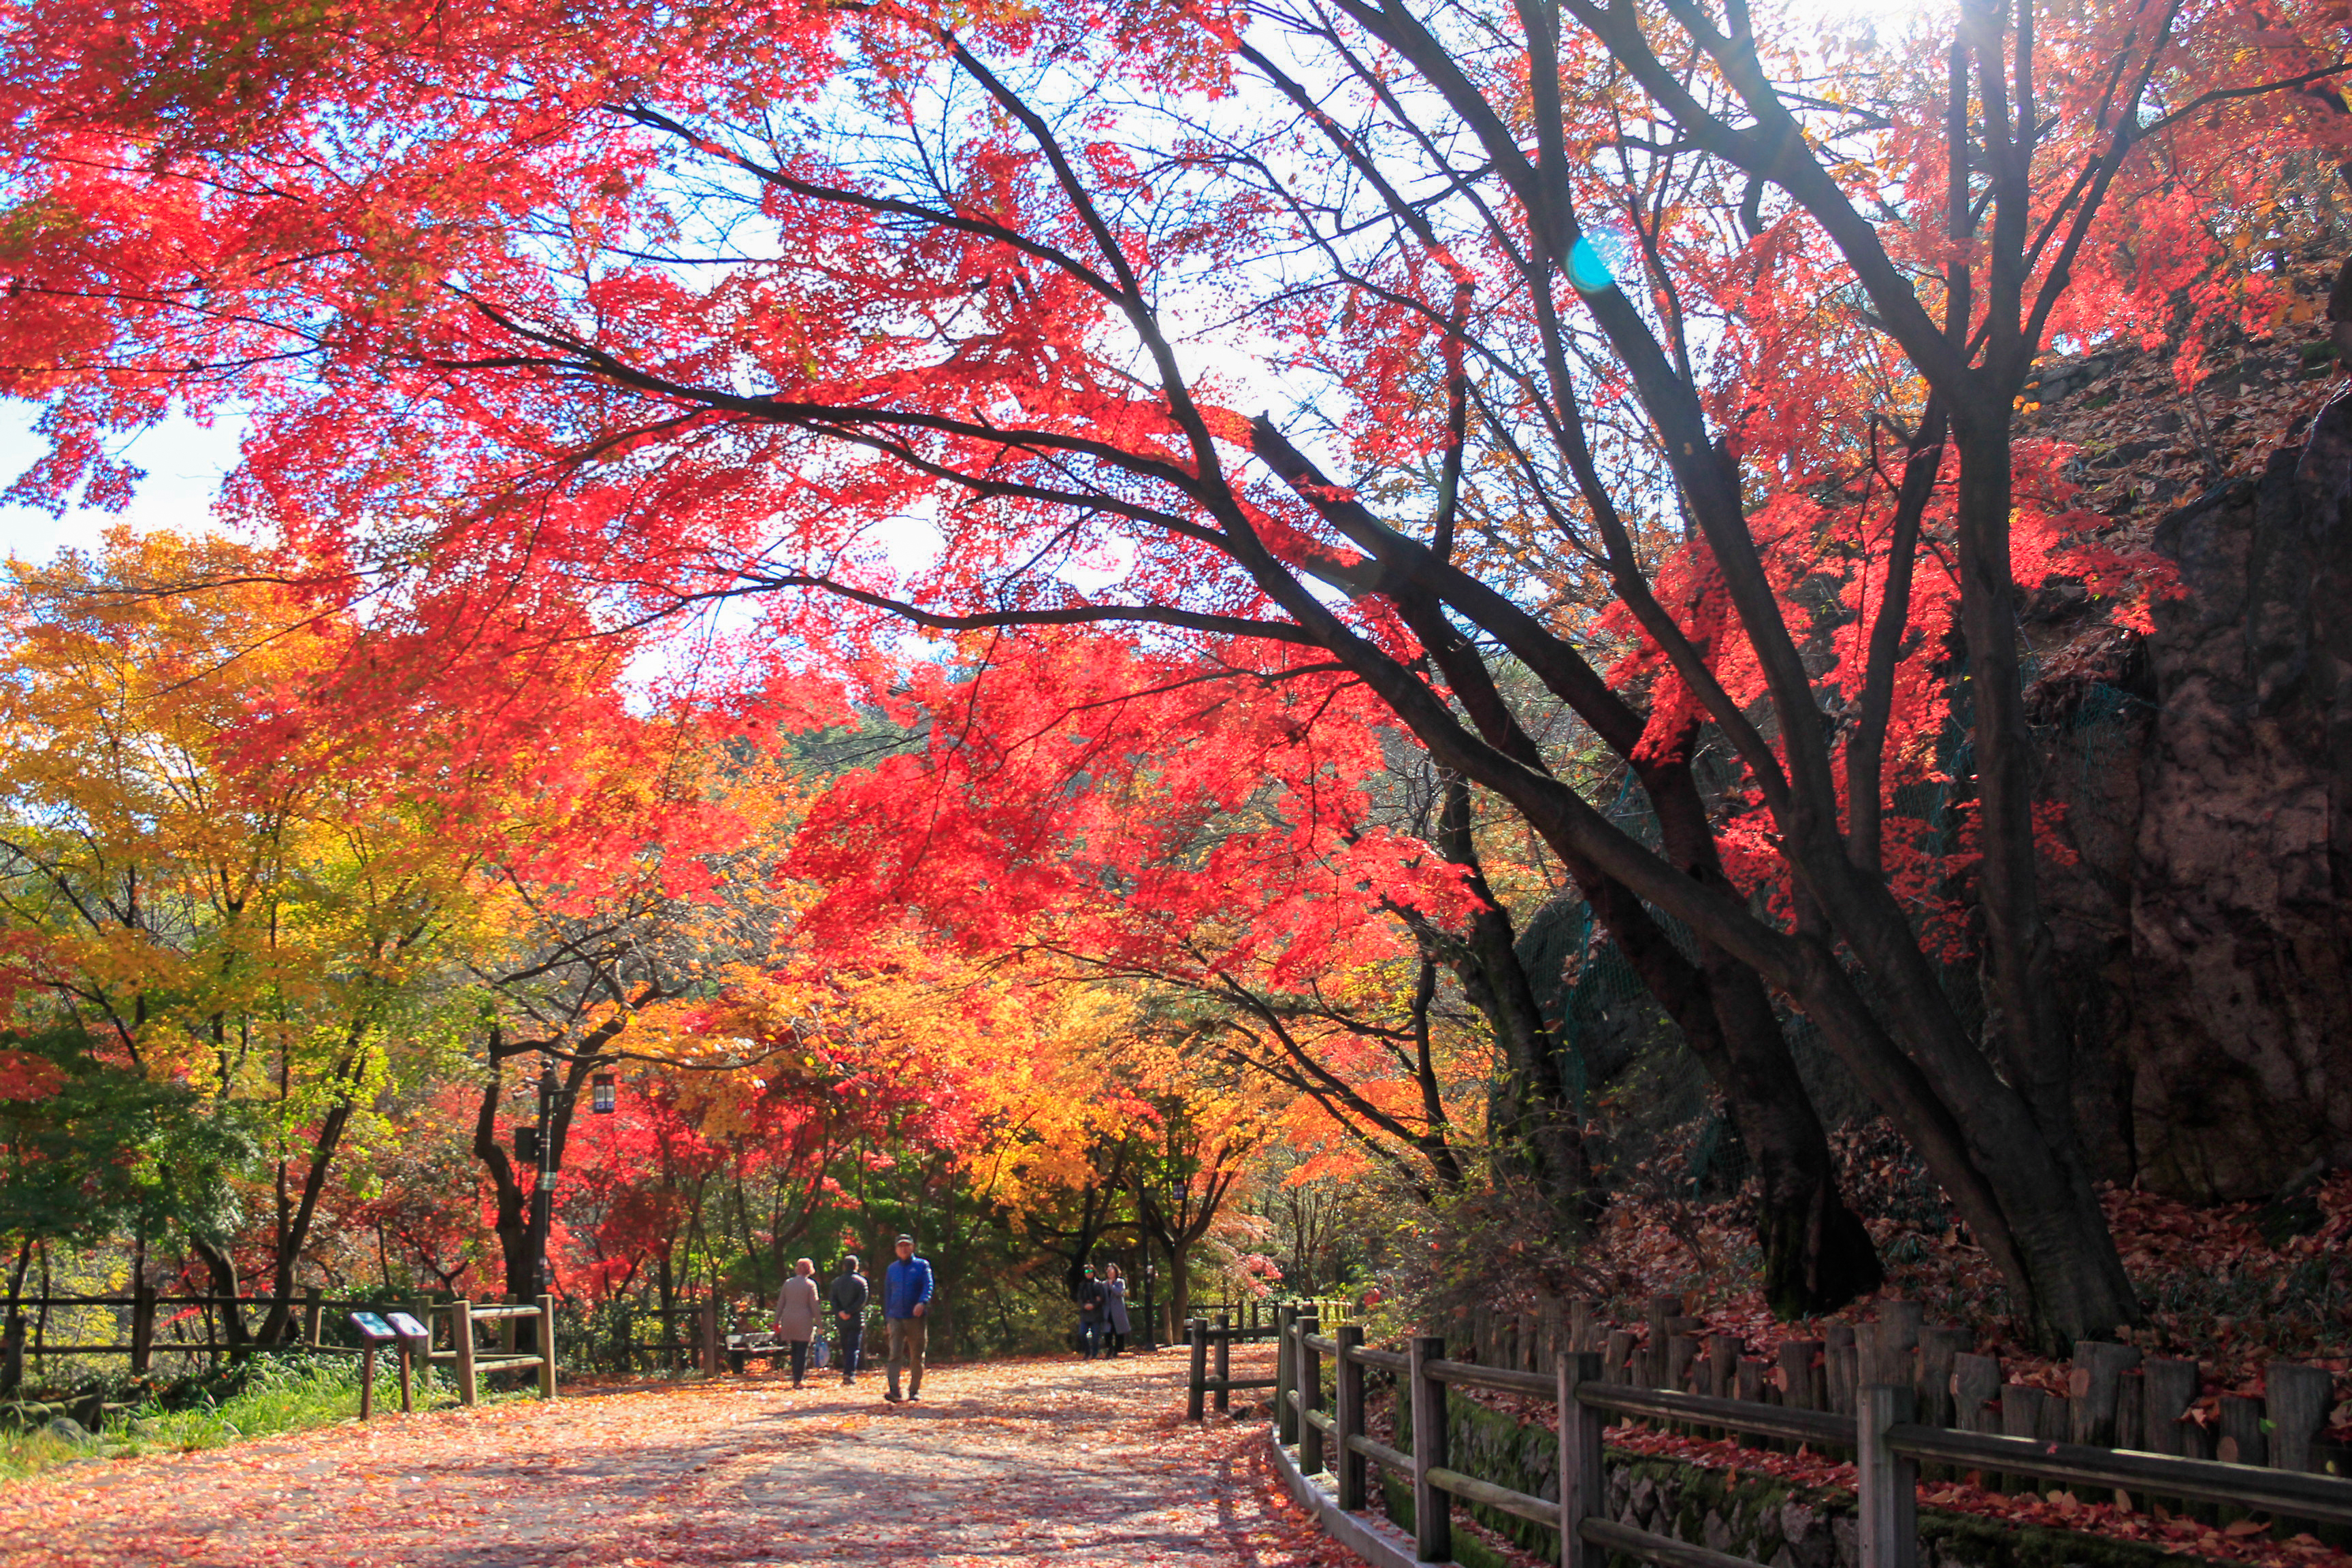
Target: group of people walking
[(802, 1311), (1103, 1323), (906, 1307)]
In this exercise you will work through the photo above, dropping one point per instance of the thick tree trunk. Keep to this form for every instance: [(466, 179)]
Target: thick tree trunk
[(1817, 1256), (2078, 1280), (511, 1213), (1180, 1287)]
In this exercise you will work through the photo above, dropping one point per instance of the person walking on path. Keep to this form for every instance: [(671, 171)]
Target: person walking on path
[(1092, 1300), (906, 1298), (796, 1315), (848, 1299), (1115, 1321)]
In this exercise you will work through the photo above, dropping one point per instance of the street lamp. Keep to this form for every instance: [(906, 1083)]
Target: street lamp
[(601, 1096), (542, 1191)]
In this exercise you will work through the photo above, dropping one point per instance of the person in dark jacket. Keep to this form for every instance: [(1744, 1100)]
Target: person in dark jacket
[(1092, 1300), (847, 1301)]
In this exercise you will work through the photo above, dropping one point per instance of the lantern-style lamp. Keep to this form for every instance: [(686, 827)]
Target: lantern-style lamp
[(601, 1095)]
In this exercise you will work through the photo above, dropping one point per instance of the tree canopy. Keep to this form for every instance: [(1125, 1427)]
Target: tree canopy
[(1179, 434)]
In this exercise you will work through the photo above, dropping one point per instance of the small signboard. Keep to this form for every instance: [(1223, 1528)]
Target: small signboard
[(372, 1327), (406, 1327)]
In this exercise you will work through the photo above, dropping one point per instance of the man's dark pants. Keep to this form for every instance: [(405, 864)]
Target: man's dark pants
[(847, 1339)]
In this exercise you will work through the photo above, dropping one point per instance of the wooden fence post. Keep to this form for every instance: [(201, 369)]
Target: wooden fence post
[(547, 1347), (1888, 1483), (461, 1340), (2297, 1399), (422, 1310), (1307, 1366), (1976, 1383), (1433, 1512), (1839, 1364), (1584, 1484), (1800, 1380), (1349, 1374), (708, 1321), (1939, 1354), (1196, 1333), (1285, 1375), (142, 1327), (1895, 1337), (2243, 1441), (1224, 1400), (2167, 1387), (2094, 1389), (311, 1314)]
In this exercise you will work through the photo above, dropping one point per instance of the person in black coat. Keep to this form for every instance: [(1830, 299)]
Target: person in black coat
[(846, 1303), (1094, 1303)]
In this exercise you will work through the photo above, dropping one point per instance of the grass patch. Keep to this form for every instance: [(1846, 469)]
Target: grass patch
[(271, 1395)]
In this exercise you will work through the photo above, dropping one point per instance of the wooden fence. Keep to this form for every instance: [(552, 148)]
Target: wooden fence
[(2115, 1398), (23, 1337), (691, 1337), (456, 1329), (465, 1358), (1877, 1375), (1205, 1339)]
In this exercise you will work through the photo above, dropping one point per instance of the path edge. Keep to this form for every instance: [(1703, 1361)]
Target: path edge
[(1376, 1540)]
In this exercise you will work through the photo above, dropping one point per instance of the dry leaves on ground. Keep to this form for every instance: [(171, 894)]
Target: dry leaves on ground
[(1007, 1464)]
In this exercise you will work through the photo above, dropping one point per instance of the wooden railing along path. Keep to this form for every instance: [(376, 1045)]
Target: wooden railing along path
[(456, 1326), (1884, 1428), (1250, 1326)]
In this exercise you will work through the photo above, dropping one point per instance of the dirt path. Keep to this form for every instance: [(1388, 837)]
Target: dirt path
[(1005, 1465)]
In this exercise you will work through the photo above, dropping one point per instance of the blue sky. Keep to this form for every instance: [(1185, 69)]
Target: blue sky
[(184, 462)]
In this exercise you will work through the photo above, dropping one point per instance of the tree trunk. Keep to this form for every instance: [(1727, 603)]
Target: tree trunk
[(281, 1318), (1816, 1256), (511, 1213), (1179, 1285), (2078, 1277), (222, 1269), (1535, 1123)]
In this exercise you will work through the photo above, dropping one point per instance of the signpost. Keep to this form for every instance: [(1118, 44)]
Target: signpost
[(373, 1331), (415, 1349)]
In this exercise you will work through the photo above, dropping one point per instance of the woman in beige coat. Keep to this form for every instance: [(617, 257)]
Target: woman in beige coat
[(796, 1309)]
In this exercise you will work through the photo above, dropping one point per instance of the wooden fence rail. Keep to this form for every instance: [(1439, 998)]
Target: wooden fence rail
[(1203, 1338), (455, 1327), (1882, 1424), (21, 1336)]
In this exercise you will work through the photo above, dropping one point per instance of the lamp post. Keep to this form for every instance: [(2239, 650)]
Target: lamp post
[(536, 1145), (543, 1191)]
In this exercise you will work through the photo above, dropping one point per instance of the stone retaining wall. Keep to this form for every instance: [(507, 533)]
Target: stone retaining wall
[(1761, 1518)]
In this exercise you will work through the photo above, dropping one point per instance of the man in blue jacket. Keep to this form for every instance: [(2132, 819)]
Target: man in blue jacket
[(906, 1298)]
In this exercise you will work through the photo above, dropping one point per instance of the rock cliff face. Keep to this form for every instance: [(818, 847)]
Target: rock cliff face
[(2214, 987)]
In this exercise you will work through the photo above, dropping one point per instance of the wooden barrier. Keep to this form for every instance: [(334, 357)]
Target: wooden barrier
[(1889, 1427), (465, 1358), (1205, 1341), (306, 1315)]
